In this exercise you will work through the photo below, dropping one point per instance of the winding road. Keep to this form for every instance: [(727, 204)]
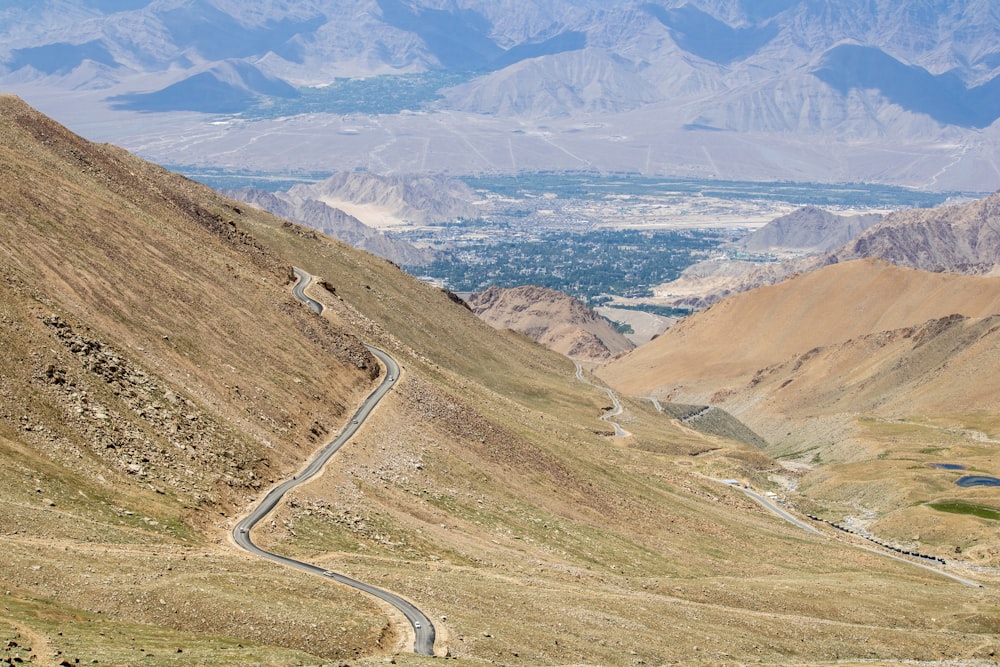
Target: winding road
[(422, 627), (617, 409), (792, 519), (773, 507)]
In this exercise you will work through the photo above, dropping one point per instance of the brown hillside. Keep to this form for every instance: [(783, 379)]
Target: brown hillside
[(807, 230), (954, 239), (864, 376), (733, 339), (555, 320), (157, 375), (117, 259)]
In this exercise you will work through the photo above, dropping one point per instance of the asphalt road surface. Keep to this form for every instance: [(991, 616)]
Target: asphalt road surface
[(774, 508), (422, 627), (779, 511), (617, 405)]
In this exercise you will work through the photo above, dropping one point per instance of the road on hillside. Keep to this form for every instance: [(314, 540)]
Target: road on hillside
[(617, 405), (772, 506), (795, 521), (422, 627)]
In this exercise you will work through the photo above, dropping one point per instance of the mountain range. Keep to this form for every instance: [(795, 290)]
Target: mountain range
[(159, 377), (845, 90), (334, 222), (960, 238)]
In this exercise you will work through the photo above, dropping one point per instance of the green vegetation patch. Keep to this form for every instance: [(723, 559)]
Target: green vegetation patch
[(962, 507), (583, 264), (386, 94)]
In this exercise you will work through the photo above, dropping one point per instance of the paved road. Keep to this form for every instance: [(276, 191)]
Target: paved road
[(422, 627), (619, 431), (299, 290), (778, 510), (772, 506)]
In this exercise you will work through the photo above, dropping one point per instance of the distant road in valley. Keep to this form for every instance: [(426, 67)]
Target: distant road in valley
[(422, 627), (772, 506), (792, 519), (617, 410)]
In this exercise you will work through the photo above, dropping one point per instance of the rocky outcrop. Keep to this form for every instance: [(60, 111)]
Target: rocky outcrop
[(148, 431), (809, 229), (946, 239), (556, 320), (336, 223), (410, 198), (961, 239)]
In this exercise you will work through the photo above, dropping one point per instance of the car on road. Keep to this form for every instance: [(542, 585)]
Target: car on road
[(417, 625)]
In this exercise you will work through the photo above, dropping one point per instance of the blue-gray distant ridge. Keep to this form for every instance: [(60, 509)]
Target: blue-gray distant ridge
[(61, 57), (943, 97), (707, 37)]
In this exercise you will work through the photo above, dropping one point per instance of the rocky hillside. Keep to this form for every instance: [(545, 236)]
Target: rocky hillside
[(954, 239), (356, 207), (961, 239), (334, 222), (807, 230), (157, 377), (825, 307), (390, 201), (556, 320)]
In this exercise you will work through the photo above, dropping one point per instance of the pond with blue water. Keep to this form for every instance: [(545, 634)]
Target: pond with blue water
[(977, 480)]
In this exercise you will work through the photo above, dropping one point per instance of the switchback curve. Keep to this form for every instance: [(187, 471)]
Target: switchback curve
[(423, 628)]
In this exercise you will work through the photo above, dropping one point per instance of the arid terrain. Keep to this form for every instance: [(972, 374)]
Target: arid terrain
[(871, 382), (158, 377), (959, 238), (555, 320)]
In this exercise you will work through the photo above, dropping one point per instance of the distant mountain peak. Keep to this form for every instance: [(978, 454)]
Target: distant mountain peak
[(707, 37), (554, 319), (943, 97)]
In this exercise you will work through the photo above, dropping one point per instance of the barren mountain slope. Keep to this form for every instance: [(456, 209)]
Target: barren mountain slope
[(155, 377), (334, 222), (154, 358), (708, 282), (842, 90), (557, 321), (388, 201), (807, 230), (954, 239), (734, 338), (957, 239), (865, 376)]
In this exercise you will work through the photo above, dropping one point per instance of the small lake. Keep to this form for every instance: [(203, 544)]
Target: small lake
[(948, 466), (977, 480)]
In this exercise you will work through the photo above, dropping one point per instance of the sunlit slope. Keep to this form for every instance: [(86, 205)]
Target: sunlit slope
[(486, 473), (156, 375), (867, 378), (154, 358), (733, 339)]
